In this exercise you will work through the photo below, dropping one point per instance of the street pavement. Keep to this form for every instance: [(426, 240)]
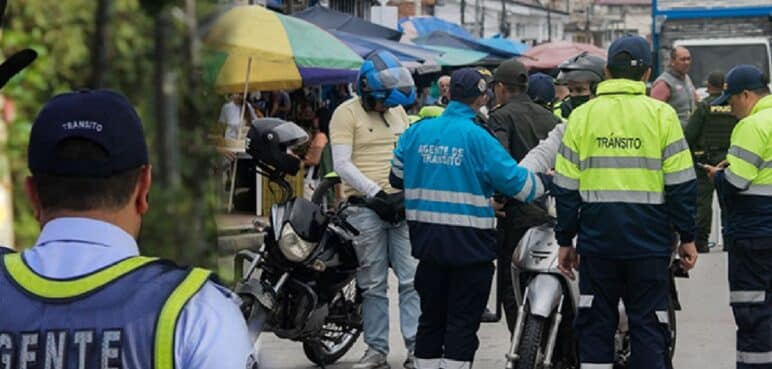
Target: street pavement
[(706, 331)]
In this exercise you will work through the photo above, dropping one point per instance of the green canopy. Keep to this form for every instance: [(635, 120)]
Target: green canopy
[(454, 57)]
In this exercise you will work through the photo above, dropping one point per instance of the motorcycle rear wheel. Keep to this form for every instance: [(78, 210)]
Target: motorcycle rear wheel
[(532, 343)]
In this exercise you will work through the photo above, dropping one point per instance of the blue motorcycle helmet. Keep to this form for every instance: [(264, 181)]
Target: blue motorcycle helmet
[(383, 78)]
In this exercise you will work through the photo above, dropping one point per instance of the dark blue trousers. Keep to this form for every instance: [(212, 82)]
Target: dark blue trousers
[(643, 285), (750, 286), (452, 302)]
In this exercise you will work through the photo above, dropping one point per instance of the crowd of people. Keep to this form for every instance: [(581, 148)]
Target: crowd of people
[(447, 195)]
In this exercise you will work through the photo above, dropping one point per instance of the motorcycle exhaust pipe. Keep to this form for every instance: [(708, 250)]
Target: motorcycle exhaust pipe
[(548, 351), (512, 355)]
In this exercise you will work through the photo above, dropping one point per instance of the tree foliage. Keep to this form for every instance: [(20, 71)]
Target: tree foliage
[(180, 223)]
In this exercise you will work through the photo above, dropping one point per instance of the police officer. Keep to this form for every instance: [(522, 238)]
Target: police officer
[(81, 297), (519, 124), (746, 185), (449, 167), (624, 177), (708, 134)]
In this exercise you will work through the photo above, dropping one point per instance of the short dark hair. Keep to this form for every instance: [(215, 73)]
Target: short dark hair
[(85, 193), (620, 67)]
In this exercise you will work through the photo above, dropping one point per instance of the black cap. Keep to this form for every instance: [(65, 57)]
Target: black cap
[(511, 72), (740, 78), (466, 83), (636, 46), (540, 88), (716, 79), (101, 116)]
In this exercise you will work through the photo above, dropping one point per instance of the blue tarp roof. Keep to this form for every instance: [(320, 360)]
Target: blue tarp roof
[(329, 19), (405, 52), (440, 38), (505, 44), (425, 25)]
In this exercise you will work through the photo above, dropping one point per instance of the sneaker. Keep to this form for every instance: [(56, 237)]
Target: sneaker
[(372, 359), (410, 361)]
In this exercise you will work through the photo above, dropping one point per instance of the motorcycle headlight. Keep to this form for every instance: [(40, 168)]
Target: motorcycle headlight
[(293, 247)]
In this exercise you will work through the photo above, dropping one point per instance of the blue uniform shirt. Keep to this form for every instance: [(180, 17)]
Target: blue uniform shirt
[(211, 332), (449, 168)]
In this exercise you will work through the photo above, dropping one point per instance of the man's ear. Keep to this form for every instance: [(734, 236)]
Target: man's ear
[(142, 201), (646, 75), (32, 194), (606, 72)]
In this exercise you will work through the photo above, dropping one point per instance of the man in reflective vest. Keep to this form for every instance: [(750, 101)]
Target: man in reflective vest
[(746, 186), (82, 297), (449, 167), (624, 180)]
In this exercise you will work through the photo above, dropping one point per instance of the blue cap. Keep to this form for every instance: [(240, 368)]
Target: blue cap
[(101, 116), (738, 79), (636, 46), (466, 83), (541, 88)]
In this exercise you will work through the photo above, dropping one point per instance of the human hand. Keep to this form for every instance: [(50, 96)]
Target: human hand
[(498, 208), (568, 260), (711, 170), (688, 253)]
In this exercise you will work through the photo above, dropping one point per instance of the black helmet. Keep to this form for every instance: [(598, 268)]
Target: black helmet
[(269, 140), (583, 68)]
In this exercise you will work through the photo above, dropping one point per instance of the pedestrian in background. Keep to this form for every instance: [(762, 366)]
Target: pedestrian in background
[(624, 180), (443, 83), (541, 90), (82, 296), (364, 132), (581, 74), (449, 167), (675, 87), (708, 133), (746, 186)]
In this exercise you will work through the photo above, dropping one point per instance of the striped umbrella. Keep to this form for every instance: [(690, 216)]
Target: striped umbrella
[(253, 48)]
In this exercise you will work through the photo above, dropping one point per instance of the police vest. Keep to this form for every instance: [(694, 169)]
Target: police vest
[(718, 127), (750, 154), (122, 316)]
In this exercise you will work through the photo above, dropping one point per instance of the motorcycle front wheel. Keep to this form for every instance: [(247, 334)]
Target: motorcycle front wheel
[(531, 350), (340, 331)]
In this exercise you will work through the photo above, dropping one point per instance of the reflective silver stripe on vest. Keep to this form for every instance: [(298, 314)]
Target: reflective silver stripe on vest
[(758, 189), (680, 176), (585, 301), (568, 153), (663, 317), (453, 364), (528, 186), (463, 198), (625, 162), (396, 162), (736, 180), (674, 148), (397, 172), (451, 219), (638, 197), (746, 155), (427, 363), (565, 182), (754, 357), (596, 366), (747, 297)]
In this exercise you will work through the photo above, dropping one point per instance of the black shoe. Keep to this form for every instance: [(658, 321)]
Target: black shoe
[(703, 249)]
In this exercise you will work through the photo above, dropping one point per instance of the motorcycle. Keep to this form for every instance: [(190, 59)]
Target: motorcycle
[(547, 302), (299, 284)]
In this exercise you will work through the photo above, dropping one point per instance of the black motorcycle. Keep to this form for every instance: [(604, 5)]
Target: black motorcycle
[(300, 283)]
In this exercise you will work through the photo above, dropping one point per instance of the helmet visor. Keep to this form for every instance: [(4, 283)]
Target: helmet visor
[(395, 78)]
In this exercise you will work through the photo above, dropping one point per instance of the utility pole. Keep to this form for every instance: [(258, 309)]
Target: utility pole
[(503, 29), (463, 10), (549, 22)]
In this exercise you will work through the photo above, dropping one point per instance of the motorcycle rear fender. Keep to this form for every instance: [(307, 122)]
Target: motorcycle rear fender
[(544, 292)]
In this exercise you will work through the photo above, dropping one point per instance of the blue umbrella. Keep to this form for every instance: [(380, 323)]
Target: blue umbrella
[(505, 44)]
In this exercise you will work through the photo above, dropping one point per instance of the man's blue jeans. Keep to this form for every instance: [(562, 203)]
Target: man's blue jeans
[(381, 245)]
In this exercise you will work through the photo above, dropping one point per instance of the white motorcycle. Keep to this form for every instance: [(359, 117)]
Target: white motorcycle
[(543, 336)]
